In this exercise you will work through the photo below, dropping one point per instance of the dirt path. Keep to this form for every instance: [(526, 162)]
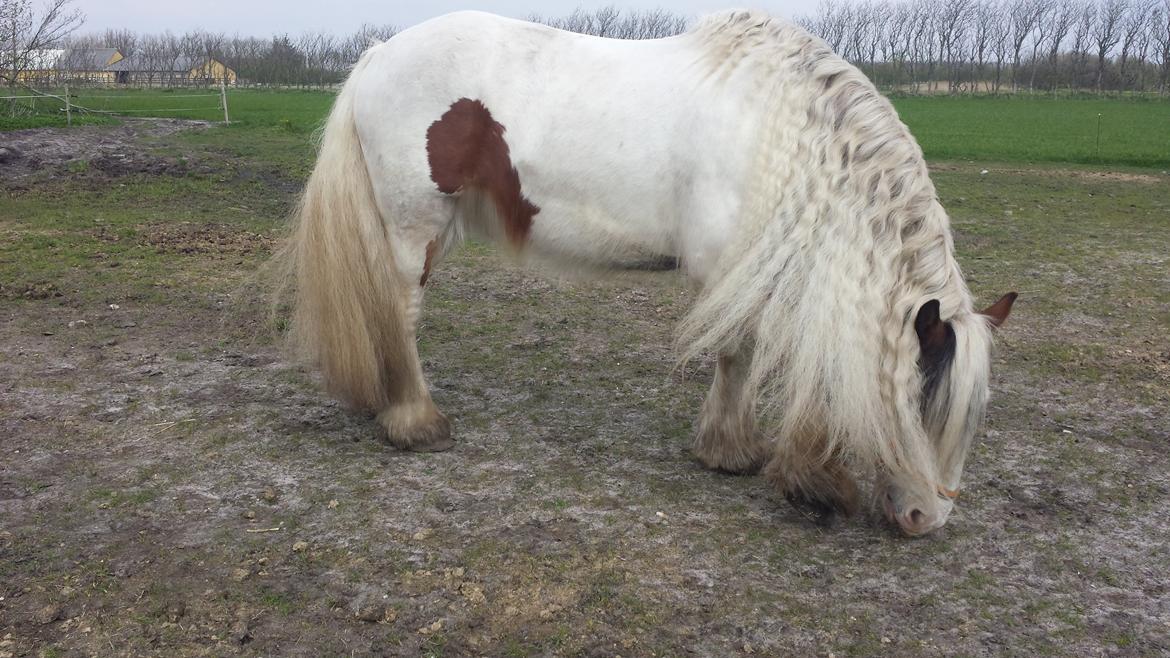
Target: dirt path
[(110, 150)]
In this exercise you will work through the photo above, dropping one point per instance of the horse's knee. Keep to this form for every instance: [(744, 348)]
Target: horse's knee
[(417, 426)]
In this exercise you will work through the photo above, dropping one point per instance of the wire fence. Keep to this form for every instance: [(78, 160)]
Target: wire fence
[(70, 104)]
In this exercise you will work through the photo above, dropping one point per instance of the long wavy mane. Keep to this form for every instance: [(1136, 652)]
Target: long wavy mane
[(843, 240)]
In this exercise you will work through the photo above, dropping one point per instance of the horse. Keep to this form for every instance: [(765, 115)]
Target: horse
[(772, 171)]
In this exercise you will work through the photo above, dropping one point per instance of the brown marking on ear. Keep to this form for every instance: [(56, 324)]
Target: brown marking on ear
[(998, 312), (466, 148), (432, 247)]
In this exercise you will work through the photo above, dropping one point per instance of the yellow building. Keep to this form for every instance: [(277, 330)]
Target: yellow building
[(171, 71), (76, 65)]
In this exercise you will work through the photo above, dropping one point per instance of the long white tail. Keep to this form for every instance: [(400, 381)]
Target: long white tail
[(348, 310)]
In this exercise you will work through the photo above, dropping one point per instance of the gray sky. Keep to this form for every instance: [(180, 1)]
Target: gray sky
[(267, 17)]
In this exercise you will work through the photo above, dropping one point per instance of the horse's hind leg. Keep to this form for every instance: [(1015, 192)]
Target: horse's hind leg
[(727, 439), (412, 421)]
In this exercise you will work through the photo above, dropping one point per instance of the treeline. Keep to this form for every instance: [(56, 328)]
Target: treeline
[(990, 45), (957, 46), (311, 59)]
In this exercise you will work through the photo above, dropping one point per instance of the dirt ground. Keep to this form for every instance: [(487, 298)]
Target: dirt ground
[(170, 484)]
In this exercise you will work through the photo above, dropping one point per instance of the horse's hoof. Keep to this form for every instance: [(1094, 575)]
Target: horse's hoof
[(819, 512), (440, 444), (434, 435), (733, 467), (744, 460)]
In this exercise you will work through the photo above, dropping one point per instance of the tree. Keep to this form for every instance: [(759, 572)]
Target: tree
[(1161, 37), (1133, 26), (1107, 32), (1060, 18), (1025, 16), (25, 34)]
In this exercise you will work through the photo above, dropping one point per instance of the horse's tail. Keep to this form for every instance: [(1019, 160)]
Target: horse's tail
[(348, 313)]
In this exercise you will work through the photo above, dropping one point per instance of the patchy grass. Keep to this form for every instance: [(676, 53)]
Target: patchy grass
[(169, 482)]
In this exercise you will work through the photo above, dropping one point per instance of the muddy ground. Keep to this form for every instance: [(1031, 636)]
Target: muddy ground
[(170, 484)]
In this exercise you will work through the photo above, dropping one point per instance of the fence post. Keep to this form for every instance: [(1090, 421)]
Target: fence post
[(223, 100), (68, 109)]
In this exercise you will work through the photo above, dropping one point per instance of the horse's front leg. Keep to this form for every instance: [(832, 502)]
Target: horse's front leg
[(727, 439), (813, 477)]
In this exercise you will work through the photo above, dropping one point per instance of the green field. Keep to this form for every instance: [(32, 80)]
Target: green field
[(1133, 132), (1040, 129)]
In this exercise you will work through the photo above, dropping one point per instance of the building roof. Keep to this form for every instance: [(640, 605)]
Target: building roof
[(88, 59)]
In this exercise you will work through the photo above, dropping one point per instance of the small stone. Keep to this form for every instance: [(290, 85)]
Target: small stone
[(333, 504), (300, 546), (47, 614), (114, 307), (472, 592), (77, 323), (886, 640), (370, 613), (240, 632)]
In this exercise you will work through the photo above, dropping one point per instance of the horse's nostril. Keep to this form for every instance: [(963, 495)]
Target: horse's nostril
[(916, 517)]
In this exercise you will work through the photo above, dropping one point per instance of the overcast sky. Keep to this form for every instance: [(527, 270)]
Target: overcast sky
[(267, 17)]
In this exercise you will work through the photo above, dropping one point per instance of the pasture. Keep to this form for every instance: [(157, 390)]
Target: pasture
[(170, 483)]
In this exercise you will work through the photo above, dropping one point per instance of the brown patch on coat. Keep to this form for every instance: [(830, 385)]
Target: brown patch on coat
[(432, 247), (466, 148)]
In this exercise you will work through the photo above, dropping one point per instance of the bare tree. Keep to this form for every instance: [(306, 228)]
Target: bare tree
[(125, 41), (1082, 32), (1060, 21), (1161, 39), (953, 21), (1025, 16), (1107, 32), (25, 34), (1133, 25)]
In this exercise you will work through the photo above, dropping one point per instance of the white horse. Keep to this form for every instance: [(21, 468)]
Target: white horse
[(774, 172)]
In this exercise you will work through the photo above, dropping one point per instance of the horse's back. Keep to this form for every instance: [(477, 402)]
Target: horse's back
[(614, 142)]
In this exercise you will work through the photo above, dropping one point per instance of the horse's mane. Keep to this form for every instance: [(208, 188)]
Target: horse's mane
[(842, 241)]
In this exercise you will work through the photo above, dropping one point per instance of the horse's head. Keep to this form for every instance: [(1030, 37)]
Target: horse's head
[(954, 364)]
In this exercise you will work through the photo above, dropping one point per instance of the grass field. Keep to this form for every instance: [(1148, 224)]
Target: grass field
[(171, 484), (1133, 132), (1041, 129)]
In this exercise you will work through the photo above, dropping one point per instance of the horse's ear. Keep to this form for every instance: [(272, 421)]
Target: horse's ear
[(931, 330), (998, 312)]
